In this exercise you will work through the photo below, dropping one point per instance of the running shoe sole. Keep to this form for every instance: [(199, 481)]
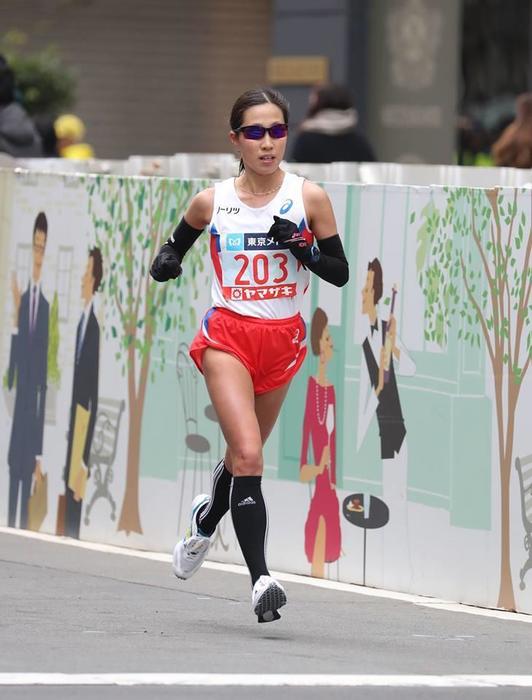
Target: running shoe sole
[(269, 602)]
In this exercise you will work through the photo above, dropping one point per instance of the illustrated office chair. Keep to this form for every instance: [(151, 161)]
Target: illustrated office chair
[(198, 445), (524, 470)]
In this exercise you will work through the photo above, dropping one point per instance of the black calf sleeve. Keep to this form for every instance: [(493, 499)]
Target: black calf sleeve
[(250, 521), (213, 512)]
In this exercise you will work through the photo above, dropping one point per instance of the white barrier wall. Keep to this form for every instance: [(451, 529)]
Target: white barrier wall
[(428, 488), (221, 165)]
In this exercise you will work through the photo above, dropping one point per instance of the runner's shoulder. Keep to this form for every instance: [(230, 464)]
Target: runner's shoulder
[(313, 194), (199, 212)]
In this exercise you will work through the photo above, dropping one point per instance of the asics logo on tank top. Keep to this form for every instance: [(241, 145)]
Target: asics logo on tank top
[(286, 206)]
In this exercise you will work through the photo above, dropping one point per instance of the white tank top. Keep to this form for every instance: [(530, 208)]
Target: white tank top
[(253, 275)]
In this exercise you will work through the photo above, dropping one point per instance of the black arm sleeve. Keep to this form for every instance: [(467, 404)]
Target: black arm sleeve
[(331, 265), (183, 238)]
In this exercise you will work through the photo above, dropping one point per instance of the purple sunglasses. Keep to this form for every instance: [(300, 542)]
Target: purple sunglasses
[(255, 132)]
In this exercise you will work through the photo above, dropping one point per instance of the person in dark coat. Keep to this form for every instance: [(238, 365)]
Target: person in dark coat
[(28, 368), (329, 133), (84, 386), (18, 134)]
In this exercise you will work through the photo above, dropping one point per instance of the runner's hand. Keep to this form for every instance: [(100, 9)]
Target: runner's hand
[(287, 233), (166, 265)]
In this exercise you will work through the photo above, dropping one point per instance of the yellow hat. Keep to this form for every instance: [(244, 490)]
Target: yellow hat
[(69, 126), (77, 151)]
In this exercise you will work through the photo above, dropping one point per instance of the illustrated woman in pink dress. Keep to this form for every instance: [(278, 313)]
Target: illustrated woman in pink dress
[(322, 529)]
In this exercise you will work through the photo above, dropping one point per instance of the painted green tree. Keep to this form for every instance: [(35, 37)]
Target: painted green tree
[(132, 217), (54, 373), (473, 262)]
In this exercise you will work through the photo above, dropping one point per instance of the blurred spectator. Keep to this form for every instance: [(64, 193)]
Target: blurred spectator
[(329, 134), (514, 147), (18, 135), (46, 129), (70, 131), (473, 142)]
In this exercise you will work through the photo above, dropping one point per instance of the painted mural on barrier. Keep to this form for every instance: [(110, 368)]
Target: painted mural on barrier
[(84, 402), (322, 528), (393, 461), (474, 262), (131, 220), (27, 379)]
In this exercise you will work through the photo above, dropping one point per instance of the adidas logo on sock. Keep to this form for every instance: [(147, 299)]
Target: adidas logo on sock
[(247, 502)]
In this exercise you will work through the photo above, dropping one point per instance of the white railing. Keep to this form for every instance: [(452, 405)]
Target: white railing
[(222, 165)]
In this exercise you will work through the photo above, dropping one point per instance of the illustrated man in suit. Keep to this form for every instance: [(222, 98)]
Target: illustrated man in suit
[(376, 395), (381, 398), (84, 387), (28, 367)]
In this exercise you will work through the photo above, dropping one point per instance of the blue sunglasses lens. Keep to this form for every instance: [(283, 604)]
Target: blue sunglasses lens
[(278, 131), (255, 132)]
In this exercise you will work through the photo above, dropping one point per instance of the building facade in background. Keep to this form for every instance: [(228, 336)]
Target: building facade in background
[(154, 77), (159, 78)]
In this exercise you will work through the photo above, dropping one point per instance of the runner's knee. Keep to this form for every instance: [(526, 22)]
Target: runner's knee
[(246, 460)]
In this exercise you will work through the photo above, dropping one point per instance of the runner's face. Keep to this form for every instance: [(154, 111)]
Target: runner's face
[(264, 155)]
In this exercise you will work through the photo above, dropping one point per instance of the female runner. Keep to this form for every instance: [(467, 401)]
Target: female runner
[(262, 225)]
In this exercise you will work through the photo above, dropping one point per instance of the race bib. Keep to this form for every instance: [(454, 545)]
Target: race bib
[(255, 267)]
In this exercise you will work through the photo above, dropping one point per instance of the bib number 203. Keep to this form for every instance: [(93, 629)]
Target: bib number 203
[(260, 269)]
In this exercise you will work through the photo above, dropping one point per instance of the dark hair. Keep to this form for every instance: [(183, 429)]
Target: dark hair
[(318, 325), (513, 147), (376, 268), (97, 267), (252, 98), (330, 97), (41, 224), (7, 82)]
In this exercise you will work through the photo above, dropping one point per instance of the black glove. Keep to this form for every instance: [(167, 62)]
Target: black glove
[(286, 232), (167, 265)]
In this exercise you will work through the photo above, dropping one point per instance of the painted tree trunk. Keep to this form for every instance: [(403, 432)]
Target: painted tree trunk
[(506, 590), (506, 597), (130, 513), (129, 520)]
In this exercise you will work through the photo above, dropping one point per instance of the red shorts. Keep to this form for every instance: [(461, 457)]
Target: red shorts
[(271, 350)]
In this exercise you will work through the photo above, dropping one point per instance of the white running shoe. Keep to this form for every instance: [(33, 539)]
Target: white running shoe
[(190, 552), (267, 597)]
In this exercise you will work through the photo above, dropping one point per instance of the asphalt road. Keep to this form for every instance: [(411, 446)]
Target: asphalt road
[(75, 611)]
